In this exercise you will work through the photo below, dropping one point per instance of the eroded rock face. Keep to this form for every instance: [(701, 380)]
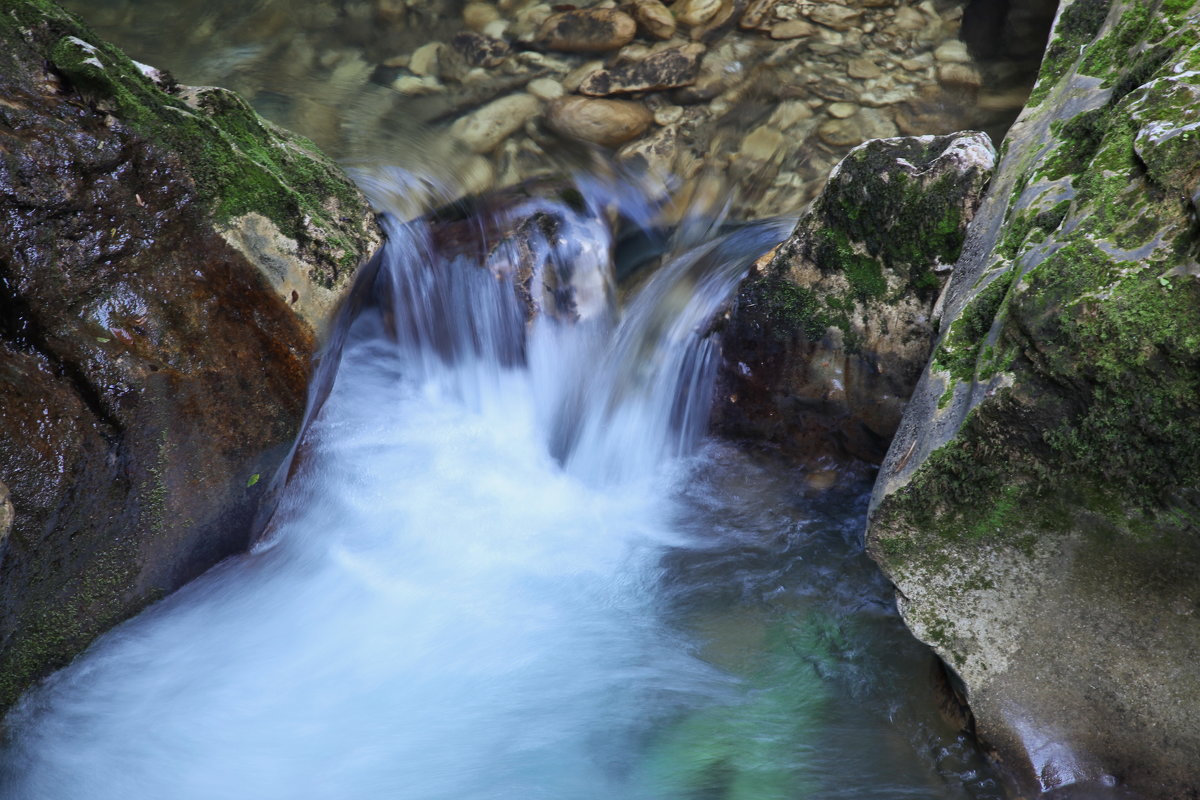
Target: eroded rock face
[(167, 261), (830, 333), (1038, 509)]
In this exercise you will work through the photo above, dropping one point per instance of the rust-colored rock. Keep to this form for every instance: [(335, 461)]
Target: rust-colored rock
[(587, 30), (666, 69)]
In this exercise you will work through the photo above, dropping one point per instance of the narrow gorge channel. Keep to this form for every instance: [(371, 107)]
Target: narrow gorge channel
[(507, 565)]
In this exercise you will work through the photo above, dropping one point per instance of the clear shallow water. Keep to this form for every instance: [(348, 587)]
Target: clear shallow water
[(471, 591)]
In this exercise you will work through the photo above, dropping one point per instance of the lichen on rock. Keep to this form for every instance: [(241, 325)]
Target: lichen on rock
[(1040, 497)]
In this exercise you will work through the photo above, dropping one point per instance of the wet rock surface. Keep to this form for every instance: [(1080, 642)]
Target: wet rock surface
[(831, 331), (161, 291), (1038, 508)]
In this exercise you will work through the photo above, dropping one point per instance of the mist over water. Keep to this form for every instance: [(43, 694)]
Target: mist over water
[(509, 565)]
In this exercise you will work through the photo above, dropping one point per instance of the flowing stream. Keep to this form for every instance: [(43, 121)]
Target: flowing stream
[(509, 564)]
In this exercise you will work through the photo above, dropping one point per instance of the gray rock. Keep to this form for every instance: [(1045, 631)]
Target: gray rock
[(1038, 509)]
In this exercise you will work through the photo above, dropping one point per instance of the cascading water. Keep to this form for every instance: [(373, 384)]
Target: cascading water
[(507, 565)]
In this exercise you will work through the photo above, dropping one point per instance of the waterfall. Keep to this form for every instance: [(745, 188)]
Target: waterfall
[(507, 564)]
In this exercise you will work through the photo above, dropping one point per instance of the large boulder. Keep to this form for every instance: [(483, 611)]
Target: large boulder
[(830, 332), (167, 261), (1039, 508)]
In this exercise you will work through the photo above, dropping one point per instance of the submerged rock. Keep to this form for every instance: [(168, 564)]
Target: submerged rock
[(604, 122), (167, 264), (1039, 508), (587, 30), (665, 69), (830, 332)]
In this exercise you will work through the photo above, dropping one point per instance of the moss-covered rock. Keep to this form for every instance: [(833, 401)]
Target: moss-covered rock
[(831, 331), (1039, 508), (166, 263)]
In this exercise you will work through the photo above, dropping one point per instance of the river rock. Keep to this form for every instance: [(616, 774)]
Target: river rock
[(952, 51), (694, 13), (868, 123), (484, 129), (665, 69), (863, 69), (829, 334), (587, 30), (791, 29), (169, 260), (1038, 508), (424, 60), (605, 122), (478, 49), (655, 18), (831, 15), (961, 75)]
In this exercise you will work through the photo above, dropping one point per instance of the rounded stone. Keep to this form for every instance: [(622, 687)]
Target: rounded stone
[(655, 18), (604, 122), (952, 51), (842, 110), (792, 29), (587, 30), (546, 88), (476, 16), (696, 12), (484, 129)]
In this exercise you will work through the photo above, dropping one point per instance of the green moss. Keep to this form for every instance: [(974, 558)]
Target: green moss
[(1113, 50), (239, 162), (834, 252), (960, 350), (1077, 27), (1176, 10)]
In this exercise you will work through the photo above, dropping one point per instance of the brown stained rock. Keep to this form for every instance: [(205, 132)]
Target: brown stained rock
[(480, 50), (655, 18), (610, 123), (587, 30), (152, 377), (666, 69)]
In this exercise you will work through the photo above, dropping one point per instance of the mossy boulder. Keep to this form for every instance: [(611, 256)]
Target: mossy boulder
[(830, 332), (1039, 508), (166, 265)]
